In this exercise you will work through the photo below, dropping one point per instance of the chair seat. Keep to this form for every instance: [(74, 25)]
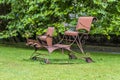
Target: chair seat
[(71, 33), (57, 46), (61, 45)]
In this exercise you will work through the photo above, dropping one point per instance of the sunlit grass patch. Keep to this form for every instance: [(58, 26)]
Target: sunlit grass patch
[(15, 65)]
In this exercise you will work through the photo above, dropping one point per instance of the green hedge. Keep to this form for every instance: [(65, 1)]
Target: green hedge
[(28, 17)]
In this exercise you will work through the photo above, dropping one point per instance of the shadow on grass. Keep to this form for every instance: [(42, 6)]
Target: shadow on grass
[(58, 61)]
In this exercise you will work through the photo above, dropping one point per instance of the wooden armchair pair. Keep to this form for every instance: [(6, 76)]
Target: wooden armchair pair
[(84, 23)]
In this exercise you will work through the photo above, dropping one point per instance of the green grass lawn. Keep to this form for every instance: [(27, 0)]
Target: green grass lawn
[(14, 65)]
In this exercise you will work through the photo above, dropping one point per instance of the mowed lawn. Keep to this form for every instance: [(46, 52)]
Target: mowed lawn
[(15, 65)]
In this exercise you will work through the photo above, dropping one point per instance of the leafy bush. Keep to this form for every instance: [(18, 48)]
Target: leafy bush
[(29, 17)]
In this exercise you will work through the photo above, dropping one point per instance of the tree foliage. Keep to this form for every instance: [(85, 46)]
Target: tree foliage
[(29, 17)]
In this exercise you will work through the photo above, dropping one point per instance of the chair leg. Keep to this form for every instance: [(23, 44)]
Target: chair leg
[(80, 47), (72, 56), (32, 54), (62, 50)]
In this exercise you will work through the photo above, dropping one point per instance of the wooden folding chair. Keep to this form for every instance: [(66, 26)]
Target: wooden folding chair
[(84, 23)]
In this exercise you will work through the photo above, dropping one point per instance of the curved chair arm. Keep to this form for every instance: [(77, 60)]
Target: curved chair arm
[(49, 36)]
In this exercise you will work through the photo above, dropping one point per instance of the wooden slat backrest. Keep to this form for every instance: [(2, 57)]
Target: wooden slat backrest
[(50, 31), (84, 23)]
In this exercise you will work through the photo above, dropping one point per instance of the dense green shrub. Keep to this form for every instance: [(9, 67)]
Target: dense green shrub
[(28, 17)]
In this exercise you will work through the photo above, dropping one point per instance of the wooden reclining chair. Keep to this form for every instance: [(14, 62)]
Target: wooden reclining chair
[(47, 38), (45, 41), (84, 23), (41, 42)]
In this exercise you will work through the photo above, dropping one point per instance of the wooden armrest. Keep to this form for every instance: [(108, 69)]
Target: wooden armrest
[(49, 36)]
